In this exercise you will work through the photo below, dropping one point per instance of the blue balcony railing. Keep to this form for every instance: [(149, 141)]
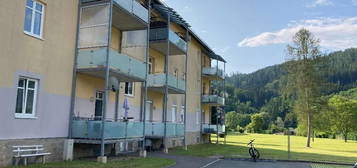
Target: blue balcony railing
[(212, 129), (158, 80), (91, 129), (157, 34), (157, 129), (213, 99), (119, 63), (213, 71)]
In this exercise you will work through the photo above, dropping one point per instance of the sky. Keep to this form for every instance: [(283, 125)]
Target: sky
[(253, 34)]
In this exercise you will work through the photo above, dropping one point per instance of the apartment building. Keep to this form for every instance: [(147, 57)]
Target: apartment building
[(104, 77)]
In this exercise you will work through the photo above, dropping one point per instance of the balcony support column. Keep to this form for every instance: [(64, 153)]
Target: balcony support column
[(166, 82), (185, 103), (106, 86), (224, 98), (74, 76), (143, 150)]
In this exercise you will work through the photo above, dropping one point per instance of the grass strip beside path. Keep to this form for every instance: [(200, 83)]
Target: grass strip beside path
[(149, 162)]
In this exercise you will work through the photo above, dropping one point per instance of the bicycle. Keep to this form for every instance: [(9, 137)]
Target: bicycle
[(253, 152)]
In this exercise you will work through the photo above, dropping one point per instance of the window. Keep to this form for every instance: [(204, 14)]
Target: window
[(98, 108), (34, 15), (129, 88), (173, 113), (182, 115), (150, 65), (26, 98)]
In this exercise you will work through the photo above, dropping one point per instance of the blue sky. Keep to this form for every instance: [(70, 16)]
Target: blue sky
[(252, 34)]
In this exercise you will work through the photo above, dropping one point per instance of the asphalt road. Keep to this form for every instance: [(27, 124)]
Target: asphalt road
[(248, 164), (201, 162)]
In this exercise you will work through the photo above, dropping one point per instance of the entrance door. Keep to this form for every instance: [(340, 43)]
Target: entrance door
[(98, 112), (148, 112)]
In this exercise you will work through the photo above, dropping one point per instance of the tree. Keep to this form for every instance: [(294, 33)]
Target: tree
[(256, 124), (343, 115), (232, 120), (303, 78)]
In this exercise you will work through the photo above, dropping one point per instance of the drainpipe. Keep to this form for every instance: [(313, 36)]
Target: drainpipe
[(146, 77), (185, 110), (166, 81), (74, 75), (217, 99), (117, 103), (106, 86)]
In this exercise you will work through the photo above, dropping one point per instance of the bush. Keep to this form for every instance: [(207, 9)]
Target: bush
[(240, 129)]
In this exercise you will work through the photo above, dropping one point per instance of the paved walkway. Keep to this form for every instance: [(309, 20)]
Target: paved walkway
[(201, 162)]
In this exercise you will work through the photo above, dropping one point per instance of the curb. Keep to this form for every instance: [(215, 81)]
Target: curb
[(281, 160)]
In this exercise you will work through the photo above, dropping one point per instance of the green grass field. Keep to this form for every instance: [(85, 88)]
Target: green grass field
[(275, 147), (150, 162)]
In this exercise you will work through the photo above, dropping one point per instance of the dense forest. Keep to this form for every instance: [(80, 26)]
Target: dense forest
[(261, 92)]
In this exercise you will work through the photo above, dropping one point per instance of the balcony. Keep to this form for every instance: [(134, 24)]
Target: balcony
[(157, 82), (213, 100), (212, 129), (125, 68), (157, 129), (91, 129), (127, 14), (213, 73), (158, 41)]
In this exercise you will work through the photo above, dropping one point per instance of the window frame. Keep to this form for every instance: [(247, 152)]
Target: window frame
[(132, 89), (33, 12), (25, 88), (174, 113)]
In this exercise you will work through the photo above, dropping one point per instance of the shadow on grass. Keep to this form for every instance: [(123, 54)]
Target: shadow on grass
[(205, 150)]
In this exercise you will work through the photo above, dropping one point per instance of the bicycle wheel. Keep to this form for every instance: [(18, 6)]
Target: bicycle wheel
[(257, 154), (252, 154)]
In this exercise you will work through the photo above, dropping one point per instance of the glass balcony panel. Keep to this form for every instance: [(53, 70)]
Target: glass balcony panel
[(158, 80), (158, 34), (213, 99), (154, 129), (140, 11), (121, 63), (134, 129), (85, 129), (213, 71), (93, 31), (134, 7)]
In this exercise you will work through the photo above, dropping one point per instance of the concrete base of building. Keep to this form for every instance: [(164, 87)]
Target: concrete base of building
[(193, 138), (52, 145), (143, 153), (102, 159)]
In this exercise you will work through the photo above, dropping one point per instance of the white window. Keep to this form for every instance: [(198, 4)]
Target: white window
[(34, 15), (173, 113), (26, 98), (129, 88), (182, 115), (198, 115), (150, 65)]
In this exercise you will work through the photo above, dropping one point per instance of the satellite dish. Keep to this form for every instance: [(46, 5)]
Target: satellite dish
[(114, 83)]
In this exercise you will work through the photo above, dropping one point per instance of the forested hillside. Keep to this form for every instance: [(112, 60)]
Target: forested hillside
[(260, 91)]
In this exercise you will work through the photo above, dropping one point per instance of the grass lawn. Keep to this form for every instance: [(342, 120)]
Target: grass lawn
[(275, 147), (150, 162)]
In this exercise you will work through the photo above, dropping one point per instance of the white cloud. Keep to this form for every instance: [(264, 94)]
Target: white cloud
[(334, 33), (317, 3)]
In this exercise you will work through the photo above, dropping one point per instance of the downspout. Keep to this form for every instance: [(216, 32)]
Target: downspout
[(106, 87), (201, 94), (117, 103), (166, 80), (74, 75), (146, 75)]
